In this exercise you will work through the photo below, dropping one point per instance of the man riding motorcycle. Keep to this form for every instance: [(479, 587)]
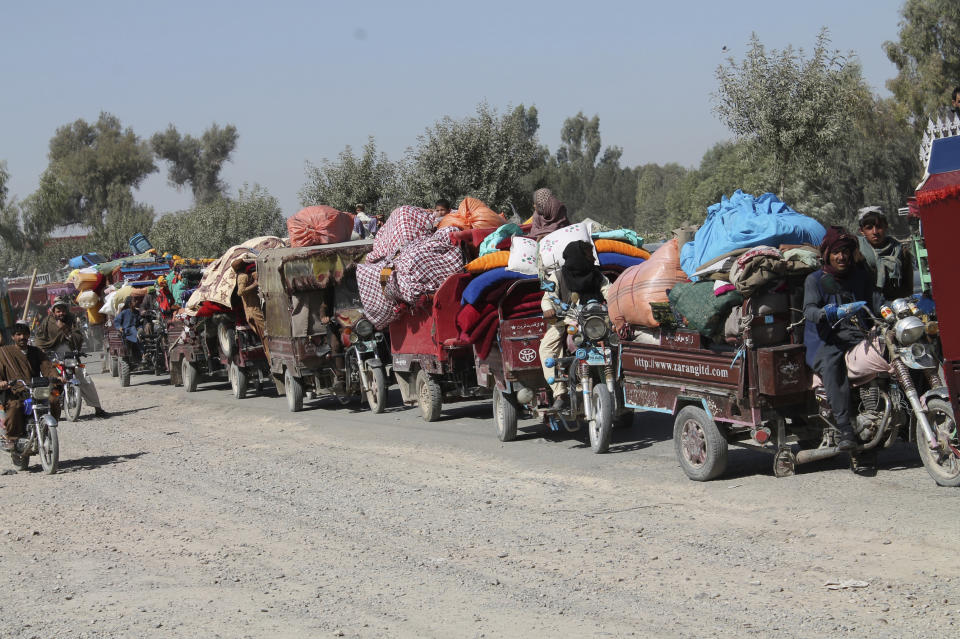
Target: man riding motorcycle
[(59, 333), (19, 361), (833, 296), (579, 274)]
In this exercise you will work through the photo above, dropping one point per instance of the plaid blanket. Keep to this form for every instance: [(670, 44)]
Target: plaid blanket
[(420, 268), (405, 225), (426, 263)]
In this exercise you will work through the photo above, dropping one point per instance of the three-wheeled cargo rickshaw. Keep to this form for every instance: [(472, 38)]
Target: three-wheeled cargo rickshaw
[(432, 365), (213, 345), (514, 373), (148, 357), (318, 340)]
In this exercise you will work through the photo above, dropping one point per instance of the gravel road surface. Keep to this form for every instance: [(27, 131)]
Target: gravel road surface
[(197, 515)]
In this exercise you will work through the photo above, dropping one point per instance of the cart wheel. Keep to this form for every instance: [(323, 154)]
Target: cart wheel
[(238, 381), (294, 389), (159, 364), (601, 426), (377, 394), (124, 372), (429, 396), (114, 365), (189, 375), (227, 336), (701, 448), (505, 414)]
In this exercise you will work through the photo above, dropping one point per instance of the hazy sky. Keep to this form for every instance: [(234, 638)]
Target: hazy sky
[(301, 80)]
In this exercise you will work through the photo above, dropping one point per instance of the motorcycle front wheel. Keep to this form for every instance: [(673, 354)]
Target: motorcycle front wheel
[(73, 402), (943, 464), (601, 425), (48, 448)]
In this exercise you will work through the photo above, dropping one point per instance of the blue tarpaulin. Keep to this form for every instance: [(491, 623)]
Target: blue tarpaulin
[(743, 221)]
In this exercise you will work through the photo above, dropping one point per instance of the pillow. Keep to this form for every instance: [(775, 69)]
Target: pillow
[(489, 261), (616, 246), (552, 245), (523, 255)]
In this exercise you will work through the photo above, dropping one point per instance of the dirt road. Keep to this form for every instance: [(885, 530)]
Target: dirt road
[(202, 516)]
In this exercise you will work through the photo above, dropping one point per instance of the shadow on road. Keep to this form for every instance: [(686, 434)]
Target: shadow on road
[(92, 463), (121, 413)]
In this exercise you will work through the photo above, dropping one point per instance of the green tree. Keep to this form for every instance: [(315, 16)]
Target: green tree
[(654, 182), (89, 164), (207, 230), (124, 219), (371, 179), (796, 109), (487, 156), (197, 162), (927, 57)]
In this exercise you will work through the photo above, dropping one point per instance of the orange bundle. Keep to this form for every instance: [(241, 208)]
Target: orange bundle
[(629, 297), (473, 214), (319, 225)]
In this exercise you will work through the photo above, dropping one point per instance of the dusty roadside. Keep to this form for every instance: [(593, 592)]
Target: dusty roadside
[(200, 516)]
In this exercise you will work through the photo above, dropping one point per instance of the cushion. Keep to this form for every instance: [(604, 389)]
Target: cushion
[(489, 261), (552, 245), (616, 246), (523, 255)]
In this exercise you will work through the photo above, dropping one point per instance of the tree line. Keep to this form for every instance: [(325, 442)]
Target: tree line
[(804, 125)]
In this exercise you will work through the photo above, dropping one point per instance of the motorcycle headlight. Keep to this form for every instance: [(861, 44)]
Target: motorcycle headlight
[(70, 363), (364, 328), (909, 329), (41, 393), (595, 328)]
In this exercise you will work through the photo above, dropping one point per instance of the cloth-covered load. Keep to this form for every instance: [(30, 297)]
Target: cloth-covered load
[(630, 296), (472, 214), (315, 225), (220, 279), (701, 310), (745, 221), (419, 261)]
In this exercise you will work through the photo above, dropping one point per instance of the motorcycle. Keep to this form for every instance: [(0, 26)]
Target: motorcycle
[(365, 372), (42, 438), (912, 396), (152, 335), (68, 365), (589, 370)]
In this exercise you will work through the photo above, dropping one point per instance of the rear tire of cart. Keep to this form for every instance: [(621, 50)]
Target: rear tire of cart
[(124, 370), (700, 446), (239, 381), (505, 414), (294, 391), (227, 337), (429, 396), (189, 375), (601, 426)]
